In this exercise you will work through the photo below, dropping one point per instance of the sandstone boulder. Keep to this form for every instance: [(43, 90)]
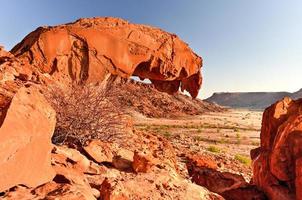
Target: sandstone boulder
[(122, 163), (71, 181), (99, 151), (88, 49), (63, 153), (156, 184), (277, 163), (25, 140), (142, 162), (204, 172)]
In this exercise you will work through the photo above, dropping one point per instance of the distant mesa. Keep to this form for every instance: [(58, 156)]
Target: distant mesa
[(251, 100)]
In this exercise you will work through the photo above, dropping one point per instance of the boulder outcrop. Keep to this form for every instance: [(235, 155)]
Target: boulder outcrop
[(88, 49), (135, 165), (25, 140), (204, 171), (277, 163), (81, 177)]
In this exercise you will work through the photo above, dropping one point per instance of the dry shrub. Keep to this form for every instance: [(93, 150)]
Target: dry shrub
[(85, 112)]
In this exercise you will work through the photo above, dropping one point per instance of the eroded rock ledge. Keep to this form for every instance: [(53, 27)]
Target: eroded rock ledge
[(88, 49)]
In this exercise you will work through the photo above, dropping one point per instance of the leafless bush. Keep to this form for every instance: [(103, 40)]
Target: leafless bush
[(84, 113)]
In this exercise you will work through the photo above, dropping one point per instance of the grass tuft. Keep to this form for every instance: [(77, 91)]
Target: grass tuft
[(213, 149), (243, 159)]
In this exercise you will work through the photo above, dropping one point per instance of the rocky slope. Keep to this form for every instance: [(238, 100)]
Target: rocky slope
[(147, 100), (136, 164), (250, 100)]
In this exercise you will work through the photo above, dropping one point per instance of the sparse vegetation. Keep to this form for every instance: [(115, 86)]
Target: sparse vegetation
[(199, 127), (84, 113), (243, 159), (255, 143), (213, 149)]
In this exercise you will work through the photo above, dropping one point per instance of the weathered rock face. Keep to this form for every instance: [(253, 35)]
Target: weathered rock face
[(88, 49), (277, 163), (25, 140), (8, 78), (13, 75), (203, 171)]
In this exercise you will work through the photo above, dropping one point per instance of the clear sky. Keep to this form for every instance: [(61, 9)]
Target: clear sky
[(247, 45)]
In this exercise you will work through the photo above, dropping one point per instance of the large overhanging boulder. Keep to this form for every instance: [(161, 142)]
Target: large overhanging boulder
[(89, 49)]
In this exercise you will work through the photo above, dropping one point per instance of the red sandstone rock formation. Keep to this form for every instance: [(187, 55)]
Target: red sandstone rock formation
[(88, 49), (25, 140), (204, 171), (277, 163)]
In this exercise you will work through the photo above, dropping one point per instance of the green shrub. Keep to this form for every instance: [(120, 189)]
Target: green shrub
[(213, 149), (243, 159)]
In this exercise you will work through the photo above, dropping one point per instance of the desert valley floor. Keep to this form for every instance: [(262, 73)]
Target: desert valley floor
[(226, 136)]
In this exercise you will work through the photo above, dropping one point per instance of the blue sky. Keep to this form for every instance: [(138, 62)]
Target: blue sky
[(253, 45)]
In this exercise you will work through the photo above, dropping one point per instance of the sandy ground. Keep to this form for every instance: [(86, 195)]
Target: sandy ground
[(229, 135)]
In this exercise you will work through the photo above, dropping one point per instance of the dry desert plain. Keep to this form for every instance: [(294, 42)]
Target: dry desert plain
[(226, 136)]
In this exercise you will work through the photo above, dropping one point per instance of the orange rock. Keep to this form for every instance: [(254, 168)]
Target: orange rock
[(202, 161), (25, 140), (122, 163), (88, 49), (277, 165), (62, 153), (204, 172), (99, 151), (298, 178), (53, 191), (109, 193), (13, 75), (248, 192), (142, 162), (68, 174)]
